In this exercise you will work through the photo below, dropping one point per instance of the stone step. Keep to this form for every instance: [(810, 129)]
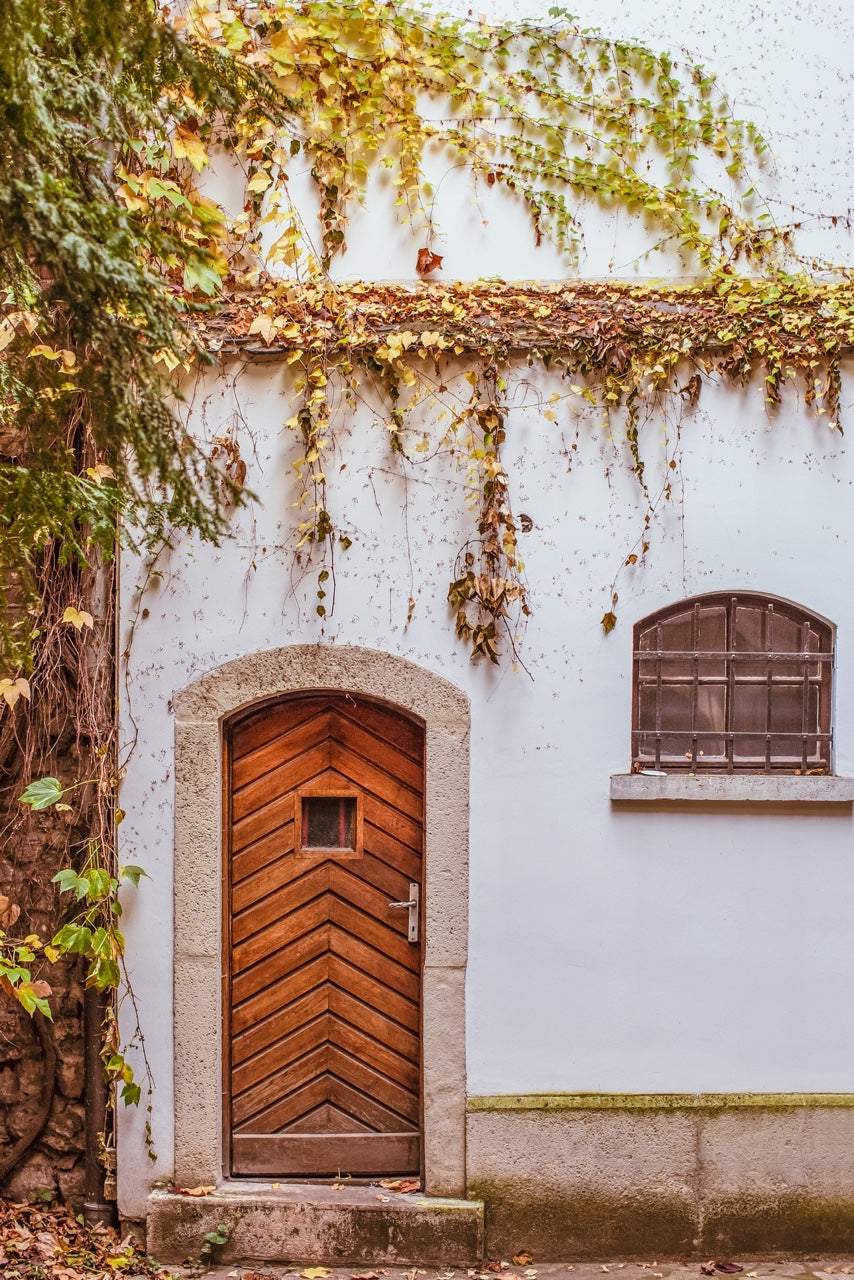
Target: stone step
[(311, 1223)]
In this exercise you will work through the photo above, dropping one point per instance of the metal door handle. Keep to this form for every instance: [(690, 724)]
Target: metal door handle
[(412, 906)]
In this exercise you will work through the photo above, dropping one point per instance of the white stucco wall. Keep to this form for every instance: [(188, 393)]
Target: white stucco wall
[(609, 951)]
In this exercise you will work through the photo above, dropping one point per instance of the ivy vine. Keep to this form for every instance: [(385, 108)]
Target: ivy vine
[(117, 270)]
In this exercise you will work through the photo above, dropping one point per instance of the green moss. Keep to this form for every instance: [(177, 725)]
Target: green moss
[(654, 1101)]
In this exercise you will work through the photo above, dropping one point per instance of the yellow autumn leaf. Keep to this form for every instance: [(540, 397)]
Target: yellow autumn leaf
[(187, 145), (168, 357), (264, 326), (12, 322), (315, 1273), (259, 181), (100, 472), (47, 352), (12, 690), (79, 618), (130, 198)]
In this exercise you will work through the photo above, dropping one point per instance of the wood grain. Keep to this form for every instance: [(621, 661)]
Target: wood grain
[(324, 1009)]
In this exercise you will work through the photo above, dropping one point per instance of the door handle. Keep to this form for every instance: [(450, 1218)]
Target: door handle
[(412, 906)]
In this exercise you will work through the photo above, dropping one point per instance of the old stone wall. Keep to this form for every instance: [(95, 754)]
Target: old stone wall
[(37, 1071), (41, 1063)]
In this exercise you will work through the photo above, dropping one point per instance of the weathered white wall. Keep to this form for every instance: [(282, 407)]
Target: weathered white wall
[(609, 951)]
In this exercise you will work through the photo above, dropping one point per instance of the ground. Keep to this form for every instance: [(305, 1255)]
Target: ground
[(781, 1269), (43, 1242)]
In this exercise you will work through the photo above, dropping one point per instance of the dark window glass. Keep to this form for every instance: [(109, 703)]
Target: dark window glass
[(733, 683), (328, 822)]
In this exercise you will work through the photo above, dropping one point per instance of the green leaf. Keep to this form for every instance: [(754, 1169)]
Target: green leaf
[(131, 1094), (99, 883), (202, 275), (74, 938), (67, 879), (134, 874), (42, 793)]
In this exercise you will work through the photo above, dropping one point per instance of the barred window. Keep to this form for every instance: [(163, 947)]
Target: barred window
[(733, 683)]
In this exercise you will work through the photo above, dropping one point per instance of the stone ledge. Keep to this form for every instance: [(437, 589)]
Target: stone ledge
[(295, 1222), (655, 1101), (730, 788)]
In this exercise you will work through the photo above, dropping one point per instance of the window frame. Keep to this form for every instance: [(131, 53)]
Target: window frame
[(327, 789), (730, 657)]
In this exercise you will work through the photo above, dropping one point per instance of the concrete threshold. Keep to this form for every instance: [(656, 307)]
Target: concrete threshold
[(293, 1221)]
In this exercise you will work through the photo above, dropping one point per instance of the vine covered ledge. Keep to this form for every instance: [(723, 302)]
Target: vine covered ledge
[(624, 347), (786, 327)]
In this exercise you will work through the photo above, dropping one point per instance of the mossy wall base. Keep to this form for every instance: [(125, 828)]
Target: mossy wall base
[(575, 1176)]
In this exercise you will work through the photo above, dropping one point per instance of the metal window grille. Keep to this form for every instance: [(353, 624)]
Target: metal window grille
[(733, 684)]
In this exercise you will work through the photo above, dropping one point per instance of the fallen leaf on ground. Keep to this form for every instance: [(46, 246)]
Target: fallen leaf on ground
[(315, 1273), (191, 1191), (523, 1258), (365, 1275), (34, 1235), (728, 1268)]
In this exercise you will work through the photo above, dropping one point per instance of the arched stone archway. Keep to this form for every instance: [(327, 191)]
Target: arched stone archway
[(200, 710)]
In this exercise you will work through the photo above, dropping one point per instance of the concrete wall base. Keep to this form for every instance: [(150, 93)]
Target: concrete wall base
[(300, 1222), (663, 1176)]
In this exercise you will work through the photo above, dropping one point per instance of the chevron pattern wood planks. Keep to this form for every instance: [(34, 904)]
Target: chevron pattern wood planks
[(323, 999)]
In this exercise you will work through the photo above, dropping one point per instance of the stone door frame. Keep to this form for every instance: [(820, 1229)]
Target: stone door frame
[(200, 710)]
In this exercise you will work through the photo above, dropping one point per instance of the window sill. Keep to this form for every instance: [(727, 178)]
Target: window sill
[(711, 788)]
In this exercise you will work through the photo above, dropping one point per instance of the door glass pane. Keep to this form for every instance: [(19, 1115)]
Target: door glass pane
[(328, 822)]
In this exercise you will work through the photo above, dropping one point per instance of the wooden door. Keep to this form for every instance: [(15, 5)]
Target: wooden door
[(325, 830)]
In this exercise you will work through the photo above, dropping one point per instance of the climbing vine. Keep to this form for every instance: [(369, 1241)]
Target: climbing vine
[(119, 268), (564, 121)]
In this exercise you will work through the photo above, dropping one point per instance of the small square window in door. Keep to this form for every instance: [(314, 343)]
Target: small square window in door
[(328, 822)]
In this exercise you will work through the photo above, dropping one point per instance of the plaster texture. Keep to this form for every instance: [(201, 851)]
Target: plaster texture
[(198, 1020), (608, 947)]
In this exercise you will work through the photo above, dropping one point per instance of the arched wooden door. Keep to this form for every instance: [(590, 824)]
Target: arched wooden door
[(324, 827)]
